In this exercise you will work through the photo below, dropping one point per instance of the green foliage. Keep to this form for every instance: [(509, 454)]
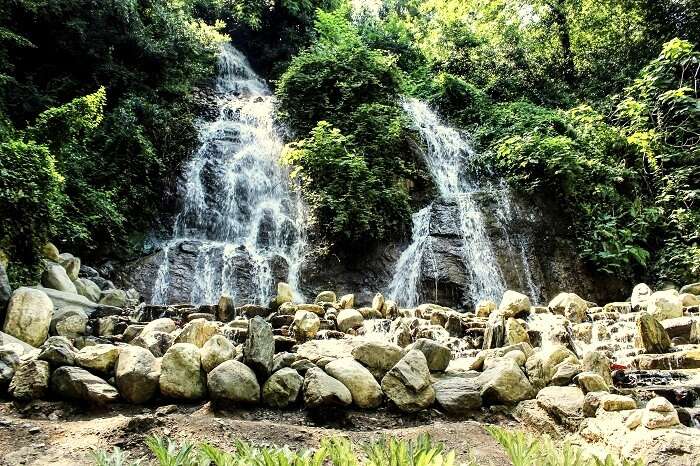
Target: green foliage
[(116, 457), (526, 450), (394, 452)]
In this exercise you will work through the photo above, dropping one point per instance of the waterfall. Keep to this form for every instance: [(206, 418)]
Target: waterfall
[(236, 203), (448, 156)]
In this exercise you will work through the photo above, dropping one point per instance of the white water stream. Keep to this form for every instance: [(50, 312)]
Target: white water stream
[(236, 199)]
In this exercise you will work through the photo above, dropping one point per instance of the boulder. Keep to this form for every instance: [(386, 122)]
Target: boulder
[(692, 288), (457, 395), (347, 301), (136, 374), (100, 358), (591, 382), (285, 294), (306, 325), (570, 305), (598, 363), (349, 319), (612, 402), (332, 348), (659, 413), (58, 351), (541, 367), (688, 299), (322, 391), (282, 388), (31, 380), (233, 381), (87, 288), (259, 347), (640, 296), (495, 334), (5, 291), (325, 297), (50, 252), (181, 375), (116, 298), (197, 332), (408, 383), (378, 355), (665, 305), (75, 383), (437, 356), (69, 321), (365, 391), (514, 304), (565, 404), (651, 335), (315, 308), (55, 277), (564, 373), (163, 324), (28, 316), (154, 341), (485, 308), (71, 264), (216, 350), (62, 299), (9, 361), (695, 331), (503, 382), (378, 304), (515, 332)]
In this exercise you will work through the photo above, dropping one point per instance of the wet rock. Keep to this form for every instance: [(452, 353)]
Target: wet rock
[(504, 383), (651, 335), (100, 358), (695, 332), (87, 288), (78, 384), (259, 347), (408, 383), (495, 334), (58, 351), (515, 332), (306, 325), (55, 277), (457, 395), (225, 309), (438, 356), (282, 388), (365, 391), (136, 374), (349, 319), (216, 350), (598, 363), (285, 294), (514, 304), (116, 298), (181, 374), (69, 321), (28, 316), (198, 332), (665, 305), (233, 381), (484, 308), (570, 305), (31, 380), (321, 390), (640, 296), (379, 355), (315, 308)]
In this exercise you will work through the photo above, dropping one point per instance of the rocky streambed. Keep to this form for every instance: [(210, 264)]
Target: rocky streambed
[(624, 376)]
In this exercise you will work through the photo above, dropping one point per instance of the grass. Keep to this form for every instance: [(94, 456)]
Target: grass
[(522, 449)]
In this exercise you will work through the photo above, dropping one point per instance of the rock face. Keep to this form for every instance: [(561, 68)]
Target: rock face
[(29, 316), (259, 347), (233, 381), (136, 374), (321, 390), (181, 375), (282, 388), (78, 384), (652, 336), (31, 381), (408, 384), (55, 277), (365, 391)]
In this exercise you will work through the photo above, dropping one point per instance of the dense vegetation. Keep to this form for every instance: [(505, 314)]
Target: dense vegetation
[(596, 100)]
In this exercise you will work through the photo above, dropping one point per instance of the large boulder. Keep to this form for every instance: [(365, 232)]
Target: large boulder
[(87, 288), (31, 380), (99, 358), (651, 336), (515, 332), (503, 382), (565, 404), (495, 333), (306, 325), (438, 356), (62, 299), (233, 381), (9, 361), (321, 390), (216, 350), (69, 321), (164, 324), (349, 319), (282, 388), (136, 374), (259, 347), (325, 297), (408, 383), (75, 383), (71, 264), (378, 355), (365, 391), (55, 277), (514, 303), (542, 366), (640, 296), (181, 374), (570, 305), (598, 363), (457, 395), (116, 298), (665, 305), (155, 341), (197, 332), (29, 316), (58, 351), (285, 294)]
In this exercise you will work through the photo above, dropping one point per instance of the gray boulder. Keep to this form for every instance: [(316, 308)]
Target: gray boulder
[(322, 391), (136, 374), (282, 388), (378, 355), (87, 288), (99, 358), (437, 356), (457, 395), (181, 375), (233, 381), (58, 351), (28, 316), (71, 264), (116, 298), (62, 299), (408, 383), (155, 341), (565, 404), (651, 335), (78, 384), (55, 277), (365, 391), (259, 347), (503, 382), (349, 319), (69, 321), (31, 380), (9, 361), (216, 350), (198, 332)]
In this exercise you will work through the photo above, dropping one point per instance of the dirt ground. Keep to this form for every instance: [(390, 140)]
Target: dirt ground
[(57, 433)]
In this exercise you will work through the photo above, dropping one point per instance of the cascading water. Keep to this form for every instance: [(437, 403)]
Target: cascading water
[(236, 204), (448, 156)]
